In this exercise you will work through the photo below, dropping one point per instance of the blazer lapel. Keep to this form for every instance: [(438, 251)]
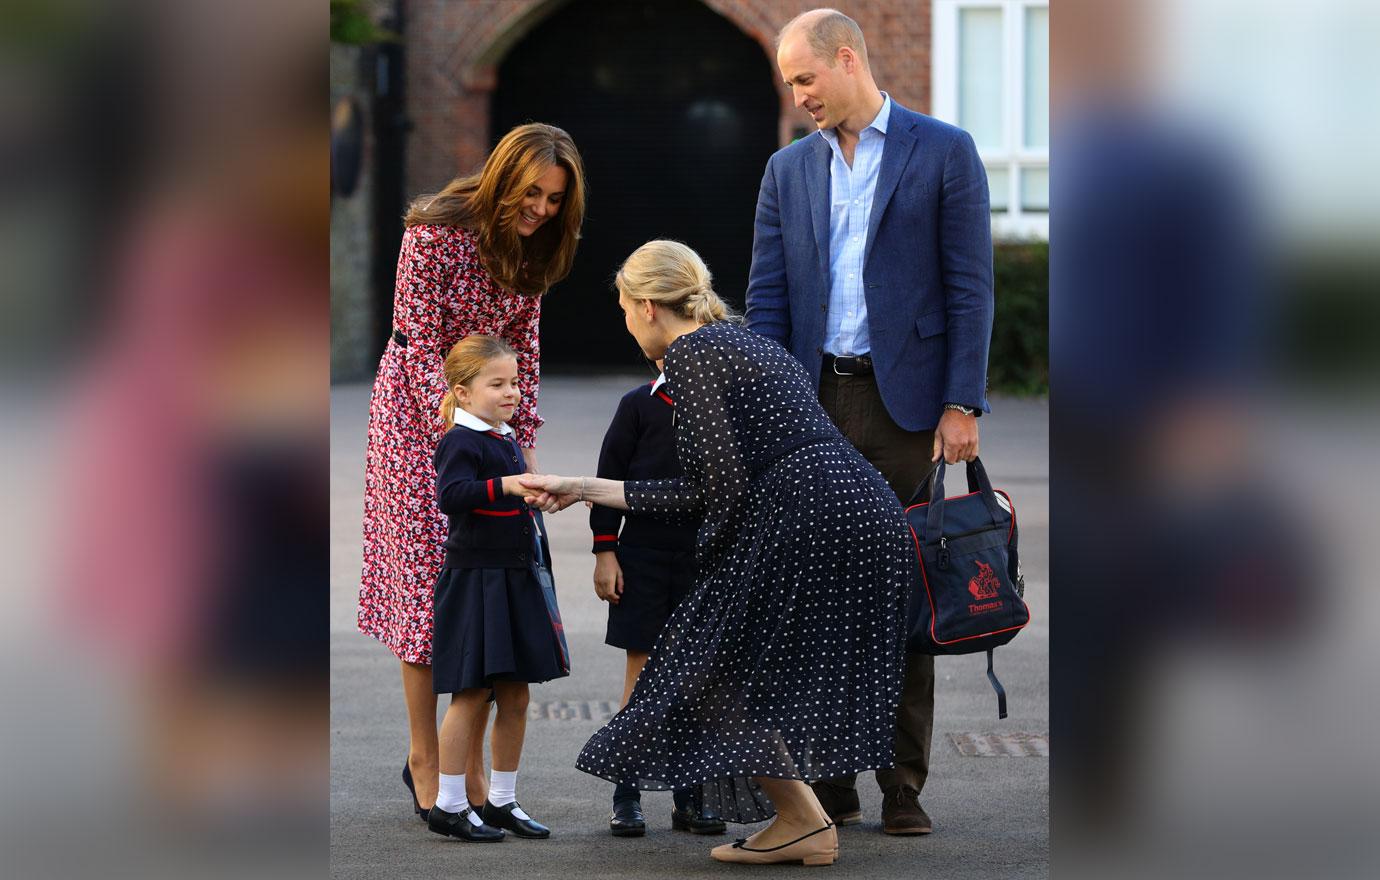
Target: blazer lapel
[(900, 141), (817, 187)]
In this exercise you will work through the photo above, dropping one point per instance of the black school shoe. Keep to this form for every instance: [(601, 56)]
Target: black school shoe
[(690, 813), (458, 825), (502, 817), (627, 819), (697, 820)]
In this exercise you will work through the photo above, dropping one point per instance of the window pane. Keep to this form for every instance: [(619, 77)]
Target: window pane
[(1034, 189), (999, 182), (1037, 77), (980, 65)]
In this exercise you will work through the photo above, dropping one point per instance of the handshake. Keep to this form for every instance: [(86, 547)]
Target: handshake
[(546, 492)]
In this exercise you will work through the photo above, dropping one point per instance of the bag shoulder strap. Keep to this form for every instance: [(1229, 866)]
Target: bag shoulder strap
[(996, 686)]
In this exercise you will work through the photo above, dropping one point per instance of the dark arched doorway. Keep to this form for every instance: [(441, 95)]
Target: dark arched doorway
[(675, 113)]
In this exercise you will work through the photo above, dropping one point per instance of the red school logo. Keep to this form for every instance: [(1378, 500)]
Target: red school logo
[(986, 584)]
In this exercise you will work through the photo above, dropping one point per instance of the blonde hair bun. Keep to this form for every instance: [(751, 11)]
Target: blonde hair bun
[(674, 277)]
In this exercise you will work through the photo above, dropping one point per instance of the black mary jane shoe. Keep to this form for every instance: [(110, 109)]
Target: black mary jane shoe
[(407, 780), (502, 817), (458, 825), (697, 821), (627, 819)]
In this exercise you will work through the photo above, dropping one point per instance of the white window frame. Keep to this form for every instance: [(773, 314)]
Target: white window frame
[(1014, 223)]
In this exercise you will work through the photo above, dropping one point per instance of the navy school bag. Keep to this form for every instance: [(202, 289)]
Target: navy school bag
[(971, 592)]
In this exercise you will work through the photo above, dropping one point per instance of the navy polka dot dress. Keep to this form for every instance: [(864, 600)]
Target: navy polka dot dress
[(786, 659)]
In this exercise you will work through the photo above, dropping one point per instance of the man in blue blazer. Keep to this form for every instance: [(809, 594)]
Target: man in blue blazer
[(872, 264)]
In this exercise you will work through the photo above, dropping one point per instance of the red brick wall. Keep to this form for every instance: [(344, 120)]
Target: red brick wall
[(454, 47)]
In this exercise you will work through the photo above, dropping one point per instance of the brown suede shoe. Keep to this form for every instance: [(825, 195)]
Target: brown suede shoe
[(901, 812), (840, 803)]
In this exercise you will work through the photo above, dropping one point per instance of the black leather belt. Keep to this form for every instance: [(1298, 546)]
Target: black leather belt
[(859, 365), (400, 338)]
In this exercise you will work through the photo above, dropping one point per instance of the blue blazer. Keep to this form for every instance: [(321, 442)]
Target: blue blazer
[(927, 267)]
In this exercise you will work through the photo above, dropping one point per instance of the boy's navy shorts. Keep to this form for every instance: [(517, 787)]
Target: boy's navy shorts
[(654, 582)]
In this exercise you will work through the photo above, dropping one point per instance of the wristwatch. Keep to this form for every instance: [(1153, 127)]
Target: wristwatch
[(958, 407)]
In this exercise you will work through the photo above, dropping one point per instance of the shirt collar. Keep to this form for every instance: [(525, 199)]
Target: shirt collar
[(879, 122), (660, 380), (475, 423)]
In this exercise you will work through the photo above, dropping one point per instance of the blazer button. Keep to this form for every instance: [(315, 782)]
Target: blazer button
[(819, 350), (824, 307)]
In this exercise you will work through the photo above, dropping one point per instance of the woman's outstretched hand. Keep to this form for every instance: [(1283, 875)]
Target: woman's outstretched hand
[(550, 493)]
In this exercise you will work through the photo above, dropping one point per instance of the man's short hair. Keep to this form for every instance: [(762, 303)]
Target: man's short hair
[(826, 31)]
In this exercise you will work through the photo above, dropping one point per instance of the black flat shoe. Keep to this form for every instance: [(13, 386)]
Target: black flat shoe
[(502, 817), (697, 821), (407, 780), (627, 819), (458, 825)]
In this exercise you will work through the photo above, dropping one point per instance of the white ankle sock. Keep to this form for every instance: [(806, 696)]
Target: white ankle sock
[(452, 799), (503, 790), (502, 787)]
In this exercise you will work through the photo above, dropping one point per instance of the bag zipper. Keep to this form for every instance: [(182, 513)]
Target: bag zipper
[(943, 559)]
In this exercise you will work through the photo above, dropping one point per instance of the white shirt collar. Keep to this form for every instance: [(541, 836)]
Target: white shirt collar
[(879, 122), (475, 423), (660, 380)]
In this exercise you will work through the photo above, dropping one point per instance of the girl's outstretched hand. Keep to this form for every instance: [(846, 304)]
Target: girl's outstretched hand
[(549, 492), (512, 485)]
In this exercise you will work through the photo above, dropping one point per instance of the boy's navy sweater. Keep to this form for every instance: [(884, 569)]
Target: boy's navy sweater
[(640, 445), (487, 528)]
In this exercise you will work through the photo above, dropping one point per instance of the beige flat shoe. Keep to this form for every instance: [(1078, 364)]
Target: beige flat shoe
[(815, 848)]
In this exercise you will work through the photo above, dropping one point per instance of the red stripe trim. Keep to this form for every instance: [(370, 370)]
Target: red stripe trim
[(490, 484), (606, 537), (663, 396), (482, 512)]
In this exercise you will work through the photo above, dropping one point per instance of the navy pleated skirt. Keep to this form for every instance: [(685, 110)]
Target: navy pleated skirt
[(491, 624)]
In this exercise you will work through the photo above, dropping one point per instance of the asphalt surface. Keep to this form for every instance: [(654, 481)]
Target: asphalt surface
[(991, 813)]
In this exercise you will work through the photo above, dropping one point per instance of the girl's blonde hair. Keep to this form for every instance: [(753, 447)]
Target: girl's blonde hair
[(488, 204), (463, 362), (674, 277)]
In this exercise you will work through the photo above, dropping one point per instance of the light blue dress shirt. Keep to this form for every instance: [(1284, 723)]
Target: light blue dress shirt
[(850, 206)]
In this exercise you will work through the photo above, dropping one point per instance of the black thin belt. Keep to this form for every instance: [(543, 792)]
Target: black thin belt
[(860, 365), (400, 338)]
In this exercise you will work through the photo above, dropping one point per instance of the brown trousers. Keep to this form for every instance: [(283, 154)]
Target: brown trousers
[(903, 457)]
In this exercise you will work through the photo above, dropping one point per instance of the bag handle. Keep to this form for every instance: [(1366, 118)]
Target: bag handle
[(922, 491), (977, 482)]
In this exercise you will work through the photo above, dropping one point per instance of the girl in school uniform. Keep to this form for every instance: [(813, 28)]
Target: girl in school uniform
[(496, 627), (643, 571)]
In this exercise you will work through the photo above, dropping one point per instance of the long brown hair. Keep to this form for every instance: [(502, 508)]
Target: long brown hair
[(463, 362), (488, 204)]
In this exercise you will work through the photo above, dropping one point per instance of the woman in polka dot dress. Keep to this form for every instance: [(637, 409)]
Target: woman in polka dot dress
[(476, 259), (784, 664)]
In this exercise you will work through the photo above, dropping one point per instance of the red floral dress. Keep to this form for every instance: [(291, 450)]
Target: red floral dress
[(443, 294)]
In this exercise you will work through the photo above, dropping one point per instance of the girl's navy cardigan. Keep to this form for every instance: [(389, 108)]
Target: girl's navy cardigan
[(487, 528)]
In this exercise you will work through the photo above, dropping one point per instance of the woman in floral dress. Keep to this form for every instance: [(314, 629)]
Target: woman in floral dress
[(476, 259)]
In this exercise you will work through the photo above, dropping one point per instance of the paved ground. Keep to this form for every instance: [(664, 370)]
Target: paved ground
[(991, 813)]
